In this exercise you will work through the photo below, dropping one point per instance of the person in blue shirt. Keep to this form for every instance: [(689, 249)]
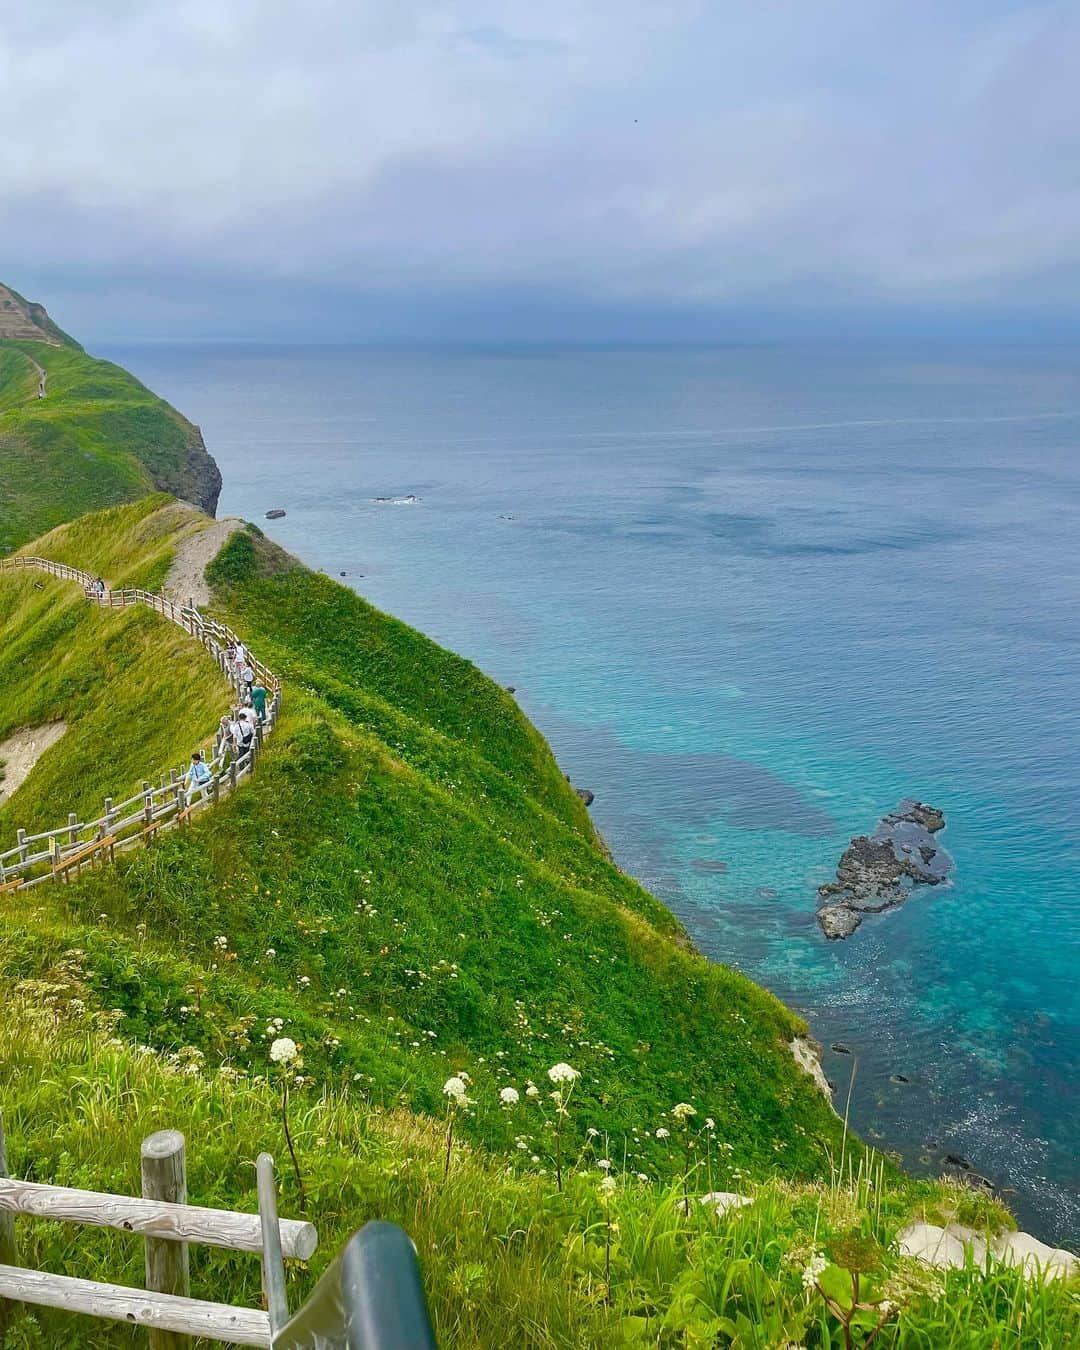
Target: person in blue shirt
[(199, 774)]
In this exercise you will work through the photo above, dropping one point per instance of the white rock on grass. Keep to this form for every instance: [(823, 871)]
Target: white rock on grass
[(722, 1201), (946, 1248), (940, 1247), (1021, 1249)]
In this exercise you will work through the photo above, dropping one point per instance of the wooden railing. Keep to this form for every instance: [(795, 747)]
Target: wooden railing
[(53, 855), (165, 1221)]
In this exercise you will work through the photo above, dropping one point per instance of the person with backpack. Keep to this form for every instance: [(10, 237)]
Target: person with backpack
[(244, 732)]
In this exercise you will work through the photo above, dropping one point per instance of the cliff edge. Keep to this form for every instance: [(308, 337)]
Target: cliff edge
[(78, 434)]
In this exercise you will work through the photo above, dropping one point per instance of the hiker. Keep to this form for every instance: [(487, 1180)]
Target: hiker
[(199, 775), (243, 733), (247, 676), (99, 587), (224, 735), (251, 717), (258, 700)]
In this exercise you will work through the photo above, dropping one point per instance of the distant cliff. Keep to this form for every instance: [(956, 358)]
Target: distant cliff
[(78, 434), (23, 319)]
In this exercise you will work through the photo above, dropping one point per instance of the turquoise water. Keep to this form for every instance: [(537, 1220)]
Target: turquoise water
[(753, 596)]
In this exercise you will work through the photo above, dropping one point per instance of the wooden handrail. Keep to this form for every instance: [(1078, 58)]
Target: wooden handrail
[(157, 807), (153, 1218)]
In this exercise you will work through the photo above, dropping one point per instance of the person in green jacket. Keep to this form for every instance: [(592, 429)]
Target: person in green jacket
[(258, 700)]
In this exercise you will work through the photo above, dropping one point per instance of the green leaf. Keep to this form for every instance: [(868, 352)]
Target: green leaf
[(835, 1283)]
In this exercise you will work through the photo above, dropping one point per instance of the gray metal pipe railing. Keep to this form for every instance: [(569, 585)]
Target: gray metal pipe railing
[(371, 1298)]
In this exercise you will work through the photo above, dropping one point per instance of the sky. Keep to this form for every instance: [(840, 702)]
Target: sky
[(339, 170)]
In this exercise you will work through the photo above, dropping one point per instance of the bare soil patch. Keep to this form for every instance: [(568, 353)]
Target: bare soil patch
[(22, 750), (186, 580)]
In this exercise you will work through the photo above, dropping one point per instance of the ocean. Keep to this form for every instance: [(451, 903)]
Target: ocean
[(753, 596)]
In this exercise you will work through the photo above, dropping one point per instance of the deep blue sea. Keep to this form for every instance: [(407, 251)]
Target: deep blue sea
[(753, 596)]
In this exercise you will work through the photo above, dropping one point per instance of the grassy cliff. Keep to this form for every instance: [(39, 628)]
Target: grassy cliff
[(95, 438), (408, 888)]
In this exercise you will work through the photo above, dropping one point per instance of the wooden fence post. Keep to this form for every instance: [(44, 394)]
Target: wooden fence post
[(73, 820), (20, 836), (9, 1250), (164, 1177)]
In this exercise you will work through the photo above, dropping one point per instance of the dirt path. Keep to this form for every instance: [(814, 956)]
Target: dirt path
[(22, 750), (42, 376), (186, 580)]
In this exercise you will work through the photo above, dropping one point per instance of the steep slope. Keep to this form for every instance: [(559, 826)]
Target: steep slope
[(78, 434), (409, 881)]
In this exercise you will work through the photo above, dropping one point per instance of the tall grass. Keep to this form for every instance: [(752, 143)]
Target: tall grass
[(505, 1256)]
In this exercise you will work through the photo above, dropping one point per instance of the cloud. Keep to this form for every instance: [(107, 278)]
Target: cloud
[(634, 155)]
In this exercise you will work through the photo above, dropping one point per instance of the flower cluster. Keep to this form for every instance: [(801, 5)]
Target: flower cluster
[(284, 1050), (456, 1091), (813, 1270), (563, 1073)]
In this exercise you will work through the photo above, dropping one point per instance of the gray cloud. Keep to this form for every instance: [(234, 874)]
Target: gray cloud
[(617, 158)]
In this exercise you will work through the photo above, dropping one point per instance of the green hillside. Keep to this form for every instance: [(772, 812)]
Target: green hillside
[(410, 890), (409, 840), (97, 437)]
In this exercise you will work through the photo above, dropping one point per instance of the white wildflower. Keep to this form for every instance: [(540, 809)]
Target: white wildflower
[(532, 1090), (563, 1073), (662, 1133), (509, 1096), (454, 1090), (814, 1267), (683, 1112), (608, 1184), (592, 1132), (710, 1124), (604, 1164), (283, 1050)]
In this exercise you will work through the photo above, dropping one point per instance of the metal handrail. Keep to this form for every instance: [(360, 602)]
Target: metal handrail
[(370, 1298)]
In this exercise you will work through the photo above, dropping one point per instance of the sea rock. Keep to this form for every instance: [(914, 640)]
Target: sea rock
[(586, 796), (840, 1048), (708, 865), (837, 921), (879, 871), (275, 514)]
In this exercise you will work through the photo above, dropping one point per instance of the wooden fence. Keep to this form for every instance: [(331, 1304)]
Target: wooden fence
[(166, 1223), (56, 854)]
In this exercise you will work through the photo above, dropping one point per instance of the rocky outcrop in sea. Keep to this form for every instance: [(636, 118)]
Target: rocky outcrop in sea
[(879, 871)]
